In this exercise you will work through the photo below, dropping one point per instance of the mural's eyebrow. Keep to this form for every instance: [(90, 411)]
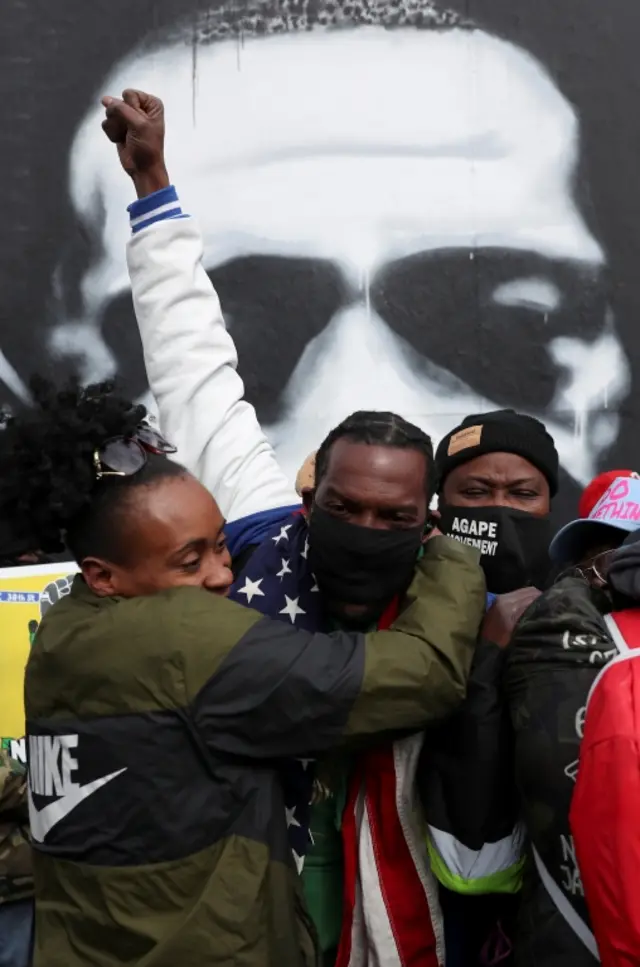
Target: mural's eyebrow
[(531, 291)]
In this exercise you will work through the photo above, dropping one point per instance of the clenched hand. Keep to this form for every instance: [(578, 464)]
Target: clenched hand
[(504, 614), (135, 123)]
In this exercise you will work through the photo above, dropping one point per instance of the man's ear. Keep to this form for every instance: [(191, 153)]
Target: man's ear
[(100, 577), (307, 495)]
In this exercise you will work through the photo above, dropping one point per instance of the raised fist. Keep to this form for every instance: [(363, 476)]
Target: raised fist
[(135, 124)]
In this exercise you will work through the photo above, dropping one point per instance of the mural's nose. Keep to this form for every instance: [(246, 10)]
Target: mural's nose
[(358, 363), (357, 348)]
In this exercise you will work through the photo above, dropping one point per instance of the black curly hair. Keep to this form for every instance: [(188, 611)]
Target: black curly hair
[(378, 428), (48, 485)]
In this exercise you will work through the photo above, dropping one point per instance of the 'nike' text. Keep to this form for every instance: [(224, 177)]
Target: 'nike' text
[(51, 762)]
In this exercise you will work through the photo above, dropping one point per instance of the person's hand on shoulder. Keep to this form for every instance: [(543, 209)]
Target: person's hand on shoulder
[(135, 123), (504, 614)]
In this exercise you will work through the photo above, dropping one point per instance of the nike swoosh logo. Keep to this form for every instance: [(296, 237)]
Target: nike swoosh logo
[(43, 820)]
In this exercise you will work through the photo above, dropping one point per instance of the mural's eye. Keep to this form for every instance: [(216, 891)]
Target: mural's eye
[(276, 307), (490, 320)]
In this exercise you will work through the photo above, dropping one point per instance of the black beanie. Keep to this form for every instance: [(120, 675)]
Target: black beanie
[(501, 431)]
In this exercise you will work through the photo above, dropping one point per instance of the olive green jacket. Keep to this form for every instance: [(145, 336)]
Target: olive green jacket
[(156, 728)]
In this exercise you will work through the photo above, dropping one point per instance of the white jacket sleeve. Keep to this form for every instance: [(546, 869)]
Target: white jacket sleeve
[(192, 362)]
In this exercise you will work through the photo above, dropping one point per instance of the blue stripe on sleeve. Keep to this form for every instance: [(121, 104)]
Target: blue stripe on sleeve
[(143, 206), (253, 529), (157, 207)]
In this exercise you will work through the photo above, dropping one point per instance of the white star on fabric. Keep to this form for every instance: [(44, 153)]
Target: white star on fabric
[(291, 816), (299, 861), (305, 763), (251, 589), (292, 608), (304, 553), (315, 584), (283, 535), (285, 568)]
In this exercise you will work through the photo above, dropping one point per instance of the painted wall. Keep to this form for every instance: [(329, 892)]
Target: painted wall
[(425, 209)]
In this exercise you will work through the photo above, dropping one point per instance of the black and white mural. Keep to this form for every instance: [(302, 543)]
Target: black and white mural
[(405, 206)]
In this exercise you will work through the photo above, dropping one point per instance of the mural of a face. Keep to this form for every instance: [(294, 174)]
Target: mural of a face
[(390, 221)]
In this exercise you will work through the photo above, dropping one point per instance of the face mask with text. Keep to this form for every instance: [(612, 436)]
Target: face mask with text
[(513, 544)]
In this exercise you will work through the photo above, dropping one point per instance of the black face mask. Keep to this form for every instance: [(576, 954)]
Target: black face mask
[(514, 544), (361, 565)]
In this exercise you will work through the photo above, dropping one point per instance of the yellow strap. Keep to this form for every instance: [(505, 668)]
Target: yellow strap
[(504, 881)]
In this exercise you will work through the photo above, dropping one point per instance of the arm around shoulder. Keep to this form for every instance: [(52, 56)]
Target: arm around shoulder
[(417, 672), (261, 688)]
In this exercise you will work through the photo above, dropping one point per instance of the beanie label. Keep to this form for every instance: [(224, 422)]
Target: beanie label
[(469, 437)]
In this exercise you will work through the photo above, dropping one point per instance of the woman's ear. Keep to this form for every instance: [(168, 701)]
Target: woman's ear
[(100, 577)]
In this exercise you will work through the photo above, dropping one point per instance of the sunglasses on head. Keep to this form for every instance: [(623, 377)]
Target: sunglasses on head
[(124, 456)]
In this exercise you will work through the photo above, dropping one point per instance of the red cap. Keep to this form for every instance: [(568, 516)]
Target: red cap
[(598, 486)]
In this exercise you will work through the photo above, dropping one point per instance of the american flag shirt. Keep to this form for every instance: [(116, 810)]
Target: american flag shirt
[(278, 582)]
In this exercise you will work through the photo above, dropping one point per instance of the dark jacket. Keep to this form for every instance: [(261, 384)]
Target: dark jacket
[(473, 750), (556, 653), (155, 728), (466, 784)]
